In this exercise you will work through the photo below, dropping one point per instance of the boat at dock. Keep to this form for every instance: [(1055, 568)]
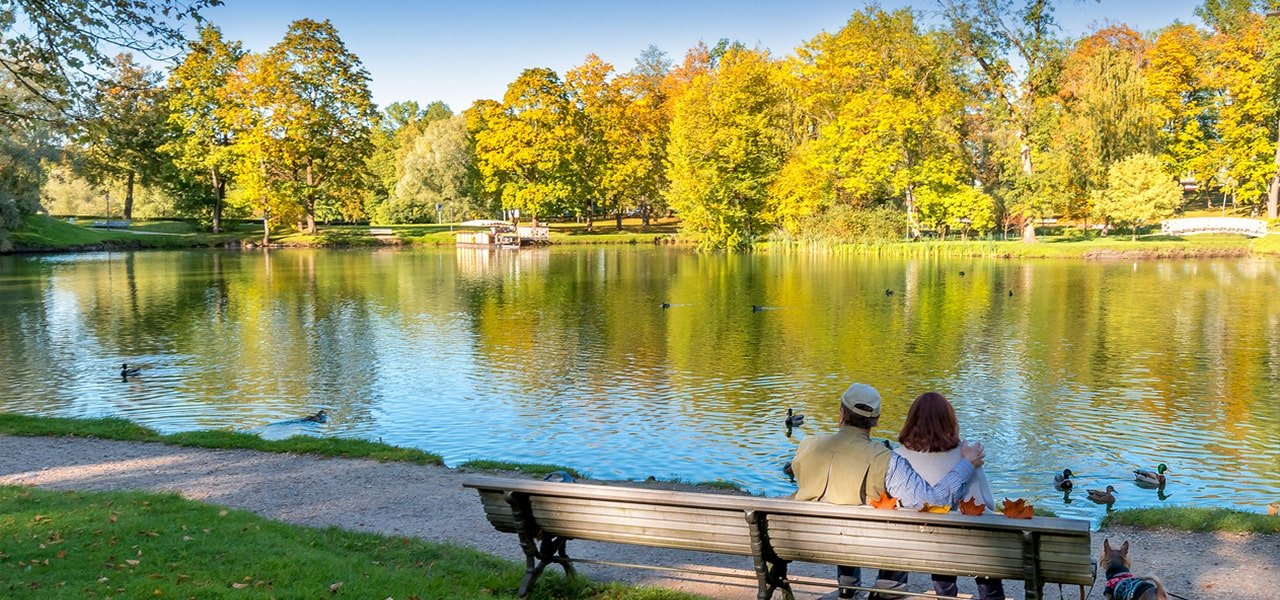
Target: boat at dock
[(492, 233)]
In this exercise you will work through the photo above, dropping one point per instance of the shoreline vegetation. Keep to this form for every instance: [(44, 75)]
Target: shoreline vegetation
[(1181, 518), (49, 234)]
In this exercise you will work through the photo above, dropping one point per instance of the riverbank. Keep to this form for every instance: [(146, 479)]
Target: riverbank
[(427, 502), (409, 496), (43, 234)]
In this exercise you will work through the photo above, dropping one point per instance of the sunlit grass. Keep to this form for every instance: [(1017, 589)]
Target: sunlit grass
[(137, 545), (535, 469), (1195, 519), (115, 428), (1150, 246)]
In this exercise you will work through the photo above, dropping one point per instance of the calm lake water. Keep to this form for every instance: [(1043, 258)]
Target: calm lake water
[(566, 356)]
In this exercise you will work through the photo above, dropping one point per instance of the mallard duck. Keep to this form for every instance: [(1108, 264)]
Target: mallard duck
[(756, 308), (126, 371), (320, 417), (1063, 481), (666, 305), (888, 292), (1156, 478), (962, 273), (794, 420), (1103, 497), (1010, 293)]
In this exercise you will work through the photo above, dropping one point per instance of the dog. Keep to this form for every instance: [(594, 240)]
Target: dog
[(1121, 583)]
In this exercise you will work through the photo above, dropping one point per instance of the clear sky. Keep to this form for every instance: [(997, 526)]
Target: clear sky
[(460, 51)]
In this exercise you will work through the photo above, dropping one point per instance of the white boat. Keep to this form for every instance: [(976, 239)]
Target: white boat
[(492, 233)]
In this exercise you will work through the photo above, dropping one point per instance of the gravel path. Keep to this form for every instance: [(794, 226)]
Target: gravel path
[(430, 503)]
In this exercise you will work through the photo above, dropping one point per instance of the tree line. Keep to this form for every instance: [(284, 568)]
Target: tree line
[(991, 119)]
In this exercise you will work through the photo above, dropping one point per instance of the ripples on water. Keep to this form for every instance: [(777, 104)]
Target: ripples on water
[(566, 356)]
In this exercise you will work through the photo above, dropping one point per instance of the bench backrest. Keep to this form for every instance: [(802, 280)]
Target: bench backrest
[(989, 545)]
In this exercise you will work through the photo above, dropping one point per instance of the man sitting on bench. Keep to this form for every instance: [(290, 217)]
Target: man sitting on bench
[(848, 467)]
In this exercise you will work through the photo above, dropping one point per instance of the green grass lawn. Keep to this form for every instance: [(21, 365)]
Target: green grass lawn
[(1195, 519), (136, 545), (1149, 246)]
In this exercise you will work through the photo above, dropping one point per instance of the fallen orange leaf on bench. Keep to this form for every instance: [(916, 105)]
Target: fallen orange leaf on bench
[(971, 507), (1017, 509), (885, 501), (929, 508)]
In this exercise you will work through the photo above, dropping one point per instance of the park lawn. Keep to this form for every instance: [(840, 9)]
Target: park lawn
[(1149, 246), (48, 233), (115, 428), (1188, 518), (140, 545)]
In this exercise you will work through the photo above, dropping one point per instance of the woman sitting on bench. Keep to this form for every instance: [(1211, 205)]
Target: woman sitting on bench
[(930, 441)]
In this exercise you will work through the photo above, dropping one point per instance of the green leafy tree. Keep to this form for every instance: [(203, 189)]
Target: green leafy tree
[(957, 208), (437, 172), (728, 142), (328, 124), (120, 142), (526, 146), (1138, 191), (202, 146), (52, 51), (1017, 53), (400, 125)]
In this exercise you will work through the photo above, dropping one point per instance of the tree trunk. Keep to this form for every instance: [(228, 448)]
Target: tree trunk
[(644, 214), (128, 197), (1133, 232), (1273, 194), (219, 192), (266, 228), (311, 201), (617, 215), (1029, 231), (591, 216)]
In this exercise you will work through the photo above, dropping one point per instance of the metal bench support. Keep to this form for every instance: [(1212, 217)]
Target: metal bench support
[(539, 548), (1032, 579), (771, 571)]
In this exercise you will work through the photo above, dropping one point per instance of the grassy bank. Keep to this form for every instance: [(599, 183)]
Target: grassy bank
[(1187, 518), (135, 545), (1154, 246), (114, 428)]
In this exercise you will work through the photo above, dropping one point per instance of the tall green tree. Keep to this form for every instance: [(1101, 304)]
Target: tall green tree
[(437, 171), (526, 146), (202, 146), (728, 142), (121, 141), (1017, 52), (648, 86), (327, 132)]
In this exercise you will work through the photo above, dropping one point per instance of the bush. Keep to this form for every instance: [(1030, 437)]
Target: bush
[(847, 224)]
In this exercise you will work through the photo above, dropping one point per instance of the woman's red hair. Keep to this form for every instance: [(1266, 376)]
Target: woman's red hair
[(931, 425)]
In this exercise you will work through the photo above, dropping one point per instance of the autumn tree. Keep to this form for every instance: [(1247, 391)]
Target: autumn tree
[(120, 142), (1177, 75), (648, 86), (257, 105), (526, 145), (879, 107), (957, 208), (1138, 191), (327, 128), (1107, 112), (202, 146), (728, 143)]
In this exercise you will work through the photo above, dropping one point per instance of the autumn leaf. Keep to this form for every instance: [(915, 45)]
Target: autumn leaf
[(1017, 509), (929, 508), (971, 507), (885, 502), (333, 589)]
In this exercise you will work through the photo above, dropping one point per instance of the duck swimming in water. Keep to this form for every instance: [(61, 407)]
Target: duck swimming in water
[(320, 417), (1063, 481), (126, 372), (1103, 497), (1150, 478), (756, 308), (794, 420)]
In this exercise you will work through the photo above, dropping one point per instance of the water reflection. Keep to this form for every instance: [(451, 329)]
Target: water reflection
[(568, 356)]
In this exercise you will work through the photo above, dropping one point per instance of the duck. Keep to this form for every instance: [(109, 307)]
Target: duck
[(756, 308), (1103, 497), (888, 292), (320, 417), (791, 474), (559, 477), (962, 273), (1063, 481), (1148, 477), (1010, 293), (794, 420), (666, 305), (126, 371)]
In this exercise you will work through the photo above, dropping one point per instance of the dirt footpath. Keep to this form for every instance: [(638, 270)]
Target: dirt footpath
[(430, 503)]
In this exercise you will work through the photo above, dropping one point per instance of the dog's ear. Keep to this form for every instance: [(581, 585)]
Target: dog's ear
[(1124, 549), (1106, 545)]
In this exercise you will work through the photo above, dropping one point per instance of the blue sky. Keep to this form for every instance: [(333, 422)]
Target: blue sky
[(460, 51)]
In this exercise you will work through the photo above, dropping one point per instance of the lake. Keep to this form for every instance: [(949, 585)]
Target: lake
[(566, 356)]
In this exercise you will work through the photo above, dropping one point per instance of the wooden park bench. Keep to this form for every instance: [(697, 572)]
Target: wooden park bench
[(380, 231), (778, 531)]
